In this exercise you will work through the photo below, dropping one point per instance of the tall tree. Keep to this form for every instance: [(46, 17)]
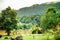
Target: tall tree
[(9, 20), (50, 19)]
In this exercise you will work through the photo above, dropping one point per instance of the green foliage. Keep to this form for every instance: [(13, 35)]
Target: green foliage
[(37, 9), (8, 21), (50, 19), (31, 37), (25, 26), (35, 19), (34, 30), (25, 19), (57, 36)]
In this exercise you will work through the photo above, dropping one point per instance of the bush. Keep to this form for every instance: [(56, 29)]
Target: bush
[(12, 39), (0, 36), (19, 38), (57, 37), (6, 37)]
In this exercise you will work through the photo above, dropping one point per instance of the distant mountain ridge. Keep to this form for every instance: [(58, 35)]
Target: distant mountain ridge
[(37, 9)]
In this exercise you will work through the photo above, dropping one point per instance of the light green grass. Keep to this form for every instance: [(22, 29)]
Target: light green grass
[(32, 37)]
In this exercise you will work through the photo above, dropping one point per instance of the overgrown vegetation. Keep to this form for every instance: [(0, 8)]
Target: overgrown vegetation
[(45, 26)]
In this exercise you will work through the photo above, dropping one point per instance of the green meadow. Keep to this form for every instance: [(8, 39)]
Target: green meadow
[(32, 37)]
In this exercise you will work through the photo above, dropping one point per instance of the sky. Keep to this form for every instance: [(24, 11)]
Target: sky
[(17, 4)]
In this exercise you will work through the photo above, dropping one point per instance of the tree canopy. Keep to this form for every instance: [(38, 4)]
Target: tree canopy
[(8, 20), (50, 19)]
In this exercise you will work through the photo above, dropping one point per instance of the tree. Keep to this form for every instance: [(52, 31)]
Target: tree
[(50, 19), (8, 20), (25, 19), (25, 26)]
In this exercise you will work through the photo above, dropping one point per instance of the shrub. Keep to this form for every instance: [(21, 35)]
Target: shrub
[(19, 38), (6, 37), (0, 36), (57, 37), (12, 39)]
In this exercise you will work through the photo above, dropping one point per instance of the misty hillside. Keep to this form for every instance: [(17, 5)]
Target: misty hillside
[(37, 9)]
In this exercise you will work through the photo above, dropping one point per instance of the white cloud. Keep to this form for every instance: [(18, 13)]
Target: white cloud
[(16, 4)]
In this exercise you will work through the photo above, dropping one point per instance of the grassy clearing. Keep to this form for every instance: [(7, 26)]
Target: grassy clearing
[(32, 37)]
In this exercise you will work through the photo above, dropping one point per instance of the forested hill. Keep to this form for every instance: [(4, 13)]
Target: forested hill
[(37, 9)]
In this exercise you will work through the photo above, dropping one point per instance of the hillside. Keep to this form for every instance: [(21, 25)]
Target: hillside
[(37, 9)]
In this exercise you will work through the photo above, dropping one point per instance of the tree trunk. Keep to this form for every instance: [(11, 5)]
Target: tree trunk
[(8, 33)]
